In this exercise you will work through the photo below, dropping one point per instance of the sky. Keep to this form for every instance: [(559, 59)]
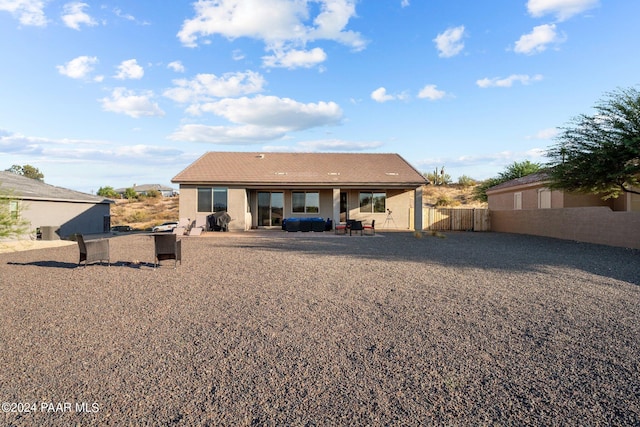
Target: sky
[(117, 93)]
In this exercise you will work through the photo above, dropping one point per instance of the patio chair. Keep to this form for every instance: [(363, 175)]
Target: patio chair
[(356, 226), (342, 228), (183, 227), (167, 246), (93, 250), (371, 228)]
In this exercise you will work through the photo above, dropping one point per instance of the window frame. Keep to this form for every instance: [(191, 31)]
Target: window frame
[(216, 204), (371, 199), (311, 202)]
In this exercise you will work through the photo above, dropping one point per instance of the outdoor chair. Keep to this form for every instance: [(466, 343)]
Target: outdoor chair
[(93, 250), (183, 227), (356, 226), (371, 228), (342, 228), (167, 246)]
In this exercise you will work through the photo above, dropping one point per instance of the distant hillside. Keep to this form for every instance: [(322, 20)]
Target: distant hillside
[(450, 196), (145, 213)]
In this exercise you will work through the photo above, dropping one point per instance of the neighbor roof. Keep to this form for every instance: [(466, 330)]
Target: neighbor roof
[(530, 179), (301, 169), (33, 189), (145, 187)]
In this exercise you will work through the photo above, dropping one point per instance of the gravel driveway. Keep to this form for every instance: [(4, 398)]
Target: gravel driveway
[(303, 329)]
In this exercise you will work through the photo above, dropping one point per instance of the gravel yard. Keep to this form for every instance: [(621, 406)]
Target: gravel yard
[(302, 329)]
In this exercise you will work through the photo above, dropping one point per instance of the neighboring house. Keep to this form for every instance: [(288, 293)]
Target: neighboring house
[(145, 188), (259, 190), (530, 192), (63, 211), (526, 206)]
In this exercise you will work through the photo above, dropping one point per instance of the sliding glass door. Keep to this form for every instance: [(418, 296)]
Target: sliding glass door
[(270, 208)]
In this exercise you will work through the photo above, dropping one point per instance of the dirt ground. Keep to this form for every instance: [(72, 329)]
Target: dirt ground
[(318, 329)]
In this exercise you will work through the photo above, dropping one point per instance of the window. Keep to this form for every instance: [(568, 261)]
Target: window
[(212, 199), (372, 202), (305, 202), (13, 209), (517, 201), (544, 198)]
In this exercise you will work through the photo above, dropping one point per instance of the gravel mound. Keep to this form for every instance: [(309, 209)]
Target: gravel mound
[(284, 329)]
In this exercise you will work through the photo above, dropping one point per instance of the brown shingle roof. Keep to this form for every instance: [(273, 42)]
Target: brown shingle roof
[(317, 169), (533, 178)]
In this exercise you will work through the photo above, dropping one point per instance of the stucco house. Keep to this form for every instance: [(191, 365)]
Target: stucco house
[(259, 190), (526, 206), (62, 211), (531, 192)]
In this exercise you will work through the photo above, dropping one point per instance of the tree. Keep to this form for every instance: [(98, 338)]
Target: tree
[(600, 153), (27, 171), (513, 171), (130, 193), (107, 192)]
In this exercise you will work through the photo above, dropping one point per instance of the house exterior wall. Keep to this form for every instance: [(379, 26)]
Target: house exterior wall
[(585, 200), (598, 225), (400, 202), (504, 199), (243, 206), (236, 205), (69, 217)]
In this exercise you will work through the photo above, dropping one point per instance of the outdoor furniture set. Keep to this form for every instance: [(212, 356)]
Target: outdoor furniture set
[(166, 247), (352, 225)]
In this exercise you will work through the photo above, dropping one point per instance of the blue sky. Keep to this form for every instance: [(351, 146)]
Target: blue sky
[(116, 93)]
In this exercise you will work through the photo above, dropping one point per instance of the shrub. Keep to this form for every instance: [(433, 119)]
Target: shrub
[(137, 216), (466, 181)]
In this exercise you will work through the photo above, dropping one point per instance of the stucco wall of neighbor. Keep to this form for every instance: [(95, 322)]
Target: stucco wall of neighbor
[(585, 200), (70, 217), (504, 200), (598, 225)]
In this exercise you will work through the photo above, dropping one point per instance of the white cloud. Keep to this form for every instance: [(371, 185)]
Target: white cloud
[(295, 58), (127, 102), (226, 135), (549, 133), (78, 68), (176, 66), (404, 3), (74, 15), (562, 9), (286, 28), (205, 87), (509, 81), (450, 42), (381, 95), (237, 55), (129, 69), (431, 92), (28, 12), (538, 40), (273, 112), (338, 145)]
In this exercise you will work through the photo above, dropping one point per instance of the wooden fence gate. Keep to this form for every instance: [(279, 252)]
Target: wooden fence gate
[(448, 219)]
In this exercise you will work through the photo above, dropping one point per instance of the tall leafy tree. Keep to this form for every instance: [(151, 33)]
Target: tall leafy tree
[(600, 153), (27, 171), (107, 192)]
